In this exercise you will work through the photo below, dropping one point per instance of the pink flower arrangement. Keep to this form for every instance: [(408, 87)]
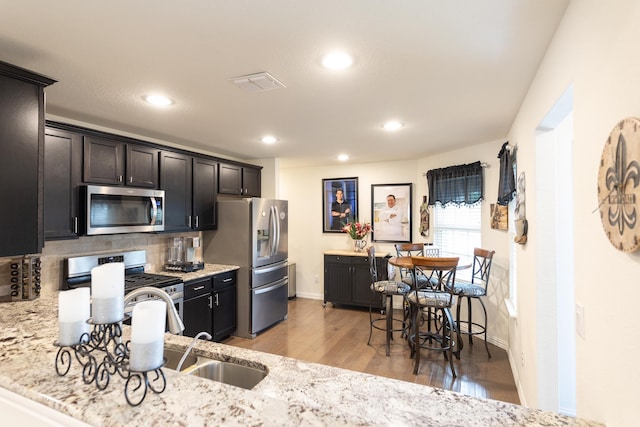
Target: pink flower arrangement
[(357, 230)]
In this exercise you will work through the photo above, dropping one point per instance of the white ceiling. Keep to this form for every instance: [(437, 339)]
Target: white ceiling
[(455, 72)]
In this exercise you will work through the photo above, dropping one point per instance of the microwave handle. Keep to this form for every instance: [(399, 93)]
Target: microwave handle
[(154, 210)]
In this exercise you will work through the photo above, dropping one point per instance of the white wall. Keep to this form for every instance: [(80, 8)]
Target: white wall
[(303, 188), (595, 49)]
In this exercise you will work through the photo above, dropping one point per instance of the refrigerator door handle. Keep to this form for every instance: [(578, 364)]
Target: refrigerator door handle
[(274, 267), (277, 223), (276, 285), (274, 230)]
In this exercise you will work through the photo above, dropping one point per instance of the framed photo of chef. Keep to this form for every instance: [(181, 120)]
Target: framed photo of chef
[(339, 203), (391, 212)]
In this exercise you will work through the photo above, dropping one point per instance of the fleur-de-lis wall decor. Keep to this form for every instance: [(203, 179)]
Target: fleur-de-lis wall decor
[(619, 185)]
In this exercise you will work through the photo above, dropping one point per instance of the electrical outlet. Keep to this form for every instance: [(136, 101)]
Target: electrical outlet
[(580, 320), (316, 278)]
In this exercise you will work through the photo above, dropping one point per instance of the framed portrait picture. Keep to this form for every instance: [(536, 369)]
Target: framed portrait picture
[(339, 203), (391, 212)]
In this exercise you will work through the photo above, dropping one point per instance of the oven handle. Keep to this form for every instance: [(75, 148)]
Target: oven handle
[(280, 283)]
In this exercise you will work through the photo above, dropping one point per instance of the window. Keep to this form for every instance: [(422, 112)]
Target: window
[(455, 193), (457, 228)]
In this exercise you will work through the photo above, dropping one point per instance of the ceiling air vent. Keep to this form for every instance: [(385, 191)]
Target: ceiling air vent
[(258, 82)]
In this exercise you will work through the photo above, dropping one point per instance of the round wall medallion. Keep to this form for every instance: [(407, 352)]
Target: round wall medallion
[(619, 185)]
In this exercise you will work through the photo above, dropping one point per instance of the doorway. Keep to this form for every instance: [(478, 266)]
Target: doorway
[(555, 345)]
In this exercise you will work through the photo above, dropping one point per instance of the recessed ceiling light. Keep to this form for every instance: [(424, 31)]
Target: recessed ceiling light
[(392, 125), (268, 139), (343, 157), (337, 61), (158, 100)]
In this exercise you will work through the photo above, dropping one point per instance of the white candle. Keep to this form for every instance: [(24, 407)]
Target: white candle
[(147, 335), (73, 313), (107, 293)]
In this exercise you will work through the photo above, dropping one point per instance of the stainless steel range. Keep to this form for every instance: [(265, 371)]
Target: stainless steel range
[(78, 273)]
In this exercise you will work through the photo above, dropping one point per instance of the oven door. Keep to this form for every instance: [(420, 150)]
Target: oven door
[(269, 304)]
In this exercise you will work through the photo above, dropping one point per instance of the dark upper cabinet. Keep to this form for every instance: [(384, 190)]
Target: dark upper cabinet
[(62, 176), (21, 160), (240, 180), (175, 180), (142, 166), (190, 185), (116, 163), (205, 190)]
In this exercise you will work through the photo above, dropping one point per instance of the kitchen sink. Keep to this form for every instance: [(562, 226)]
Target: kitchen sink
[(173, 357), (228, 373), (225, 372)]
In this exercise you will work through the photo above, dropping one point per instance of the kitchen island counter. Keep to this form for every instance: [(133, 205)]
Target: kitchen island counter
[(293, 392)]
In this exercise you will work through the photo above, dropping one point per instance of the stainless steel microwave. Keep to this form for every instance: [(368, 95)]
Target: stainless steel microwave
[(113, 210)]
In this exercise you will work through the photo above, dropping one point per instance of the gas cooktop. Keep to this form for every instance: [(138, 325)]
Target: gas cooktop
[(79, 271)]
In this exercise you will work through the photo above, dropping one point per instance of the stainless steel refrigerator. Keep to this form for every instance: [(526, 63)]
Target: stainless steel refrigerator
[(253, 234)]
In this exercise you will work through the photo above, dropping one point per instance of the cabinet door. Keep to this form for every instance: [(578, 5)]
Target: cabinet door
[(197, 308), (175, 180), (62, 170), (21, 139), (362, 294), (337, 279), (103, 161), (251, 185), (197, 315), (230, 179), (224, 312), (142, 166), (205, 189)]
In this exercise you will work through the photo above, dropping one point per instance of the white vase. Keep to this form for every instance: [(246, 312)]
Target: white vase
[(359, 245)]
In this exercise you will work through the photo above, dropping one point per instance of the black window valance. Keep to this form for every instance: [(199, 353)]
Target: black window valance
[(460, 184)]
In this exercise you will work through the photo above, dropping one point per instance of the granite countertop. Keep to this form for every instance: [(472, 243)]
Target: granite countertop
[(208, 270), (293, 392)]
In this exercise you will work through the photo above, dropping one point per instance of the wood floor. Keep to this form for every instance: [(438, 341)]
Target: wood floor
[(337, 336)]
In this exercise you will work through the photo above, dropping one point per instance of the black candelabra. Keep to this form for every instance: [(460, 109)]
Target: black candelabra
[(102, 355)]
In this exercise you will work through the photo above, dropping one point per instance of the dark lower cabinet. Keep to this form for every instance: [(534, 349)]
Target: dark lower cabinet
[(21, 160), (210, 305), (197, 313), (347, 280), (224, 305)]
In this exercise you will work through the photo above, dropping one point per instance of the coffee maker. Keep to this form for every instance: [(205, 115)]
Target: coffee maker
[(184, 254)]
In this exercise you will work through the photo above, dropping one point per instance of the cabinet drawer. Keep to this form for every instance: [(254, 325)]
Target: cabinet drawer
[(197, 287), (339, 259), (223, 280)]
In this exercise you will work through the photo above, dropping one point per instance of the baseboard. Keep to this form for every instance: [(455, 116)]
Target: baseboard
[(516, 378)]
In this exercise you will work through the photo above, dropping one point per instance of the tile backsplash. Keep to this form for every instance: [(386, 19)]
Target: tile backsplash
[(55, 253)]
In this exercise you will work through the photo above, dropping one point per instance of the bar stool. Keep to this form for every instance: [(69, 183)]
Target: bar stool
[(476, 289), (434, 300), (387, 289)]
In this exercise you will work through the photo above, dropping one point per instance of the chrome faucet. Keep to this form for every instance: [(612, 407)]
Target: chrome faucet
[(188, 350), (175, 322)]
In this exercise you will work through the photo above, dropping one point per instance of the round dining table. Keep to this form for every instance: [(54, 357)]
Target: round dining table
[(405, 262)]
